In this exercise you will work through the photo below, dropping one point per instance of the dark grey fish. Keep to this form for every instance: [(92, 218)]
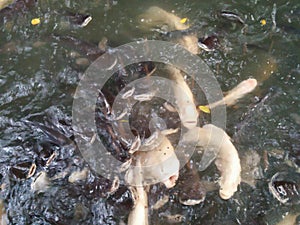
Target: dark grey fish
[(79, 19), (54, 135), (285, 187), (191, 193), (232, 16), (89, 50)]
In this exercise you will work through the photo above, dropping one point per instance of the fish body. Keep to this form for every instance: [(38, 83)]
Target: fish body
[(236, 93)]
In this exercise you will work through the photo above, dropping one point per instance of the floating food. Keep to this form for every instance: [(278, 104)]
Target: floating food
[(263, 22), (204, 108), (35, 21), (285, 187), (183, 20)]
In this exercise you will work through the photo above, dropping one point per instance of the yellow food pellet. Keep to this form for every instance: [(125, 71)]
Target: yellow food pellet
[(263, 22), (183, 20), (35, 21), (204, 109)]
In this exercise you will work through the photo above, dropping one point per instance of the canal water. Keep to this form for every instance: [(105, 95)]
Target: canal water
[(41, 66)]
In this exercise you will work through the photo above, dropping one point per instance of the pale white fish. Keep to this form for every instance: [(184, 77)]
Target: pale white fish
[(236, 93), (184, 99), (158, 165), (227, 162), (139, 214), (157, 17)]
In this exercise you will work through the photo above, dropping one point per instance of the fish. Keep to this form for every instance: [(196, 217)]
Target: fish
[(184, 99), (153, 166), (236, 93), (227, 158), (40, 183), (139, 214), (191, 193), (91, 51), (285, 187), (175, 30), (157, 17), (232, 16)]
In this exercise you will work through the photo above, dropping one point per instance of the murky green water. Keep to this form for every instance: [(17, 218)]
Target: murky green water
[(39, 74)]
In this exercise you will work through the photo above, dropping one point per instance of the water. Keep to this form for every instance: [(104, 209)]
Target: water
[(39, 74)]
